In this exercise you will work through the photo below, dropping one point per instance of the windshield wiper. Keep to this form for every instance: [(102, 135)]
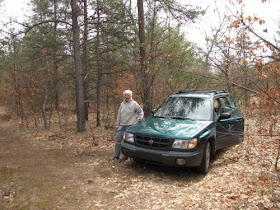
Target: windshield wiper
[(159, 116), (182, 118), (176, 118)]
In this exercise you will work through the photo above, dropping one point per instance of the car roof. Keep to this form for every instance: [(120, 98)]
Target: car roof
[(201, 92)]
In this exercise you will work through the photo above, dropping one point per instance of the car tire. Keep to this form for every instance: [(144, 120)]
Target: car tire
[(138, 161), (205, 163)]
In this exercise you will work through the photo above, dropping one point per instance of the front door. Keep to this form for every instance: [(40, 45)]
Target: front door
[(228, 131)]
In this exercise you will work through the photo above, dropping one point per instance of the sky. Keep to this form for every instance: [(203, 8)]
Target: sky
[(270, 11), (14, 8)]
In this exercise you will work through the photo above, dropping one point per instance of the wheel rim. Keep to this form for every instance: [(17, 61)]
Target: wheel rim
[(207, 156)]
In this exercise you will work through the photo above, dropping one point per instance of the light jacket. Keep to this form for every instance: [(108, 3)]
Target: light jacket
[(129, 113)]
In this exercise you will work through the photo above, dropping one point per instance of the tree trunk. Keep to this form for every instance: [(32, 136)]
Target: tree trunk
[(44, 106), (85, 59), (80, 105), (55, 60), (56, 76), (146, 96), (99, 75)]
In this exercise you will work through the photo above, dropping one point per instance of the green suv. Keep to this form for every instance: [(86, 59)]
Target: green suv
[(186, 130)]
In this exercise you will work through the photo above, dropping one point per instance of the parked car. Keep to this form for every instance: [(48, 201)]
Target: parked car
[(186, 130)]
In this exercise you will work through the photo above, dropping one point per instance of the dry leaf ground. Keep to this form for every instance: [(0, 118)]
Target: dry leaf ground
[(61, 169)]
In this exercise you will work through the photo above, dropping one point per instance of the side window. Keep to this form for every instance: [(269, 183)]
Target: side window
[(235, 110), (217, 108), (231, 102), (227, 105)]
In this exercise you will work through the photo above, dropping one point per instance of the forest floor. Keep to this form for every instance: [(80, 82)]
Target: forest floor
[(62, 169)]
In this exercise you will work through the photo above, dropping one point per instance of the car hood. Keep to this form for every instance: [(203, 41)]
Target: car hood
[(169, 128)]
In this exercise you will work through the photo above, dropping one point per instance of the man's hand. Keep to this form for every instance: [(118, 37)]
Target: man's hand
[(134, 123), (116, 128)]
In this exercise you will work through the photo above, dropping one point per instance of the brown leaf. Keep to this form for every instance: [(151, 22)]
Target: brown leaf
[(233, 197), (271, 130)]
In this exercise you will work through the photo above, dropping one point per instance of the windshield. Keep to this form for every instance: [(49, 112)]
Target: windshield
[(193, 108)]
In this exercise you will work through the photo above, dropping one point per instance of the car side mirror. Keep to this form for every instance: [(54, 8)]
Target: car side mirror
[(153, 111), (224, 116)]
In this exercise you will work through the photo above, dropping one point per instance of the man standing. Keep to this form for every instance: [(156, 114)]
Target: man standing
[(129, 114)]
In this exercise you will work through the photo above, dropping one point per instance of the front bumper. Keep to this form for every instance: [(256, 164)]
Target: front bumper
[(159, 157)]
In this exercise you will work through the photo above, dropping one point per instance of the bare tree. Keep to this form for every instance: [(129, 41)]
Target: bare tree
[(143, 62), (80, 105), (85, 58), (99, 75)]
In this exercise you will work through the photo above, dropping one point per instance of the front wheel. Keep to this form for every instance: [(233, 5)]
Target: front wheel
[(205, 163)]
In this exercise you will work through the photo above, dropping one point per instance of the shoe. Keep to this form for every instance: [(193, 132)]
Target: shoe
[(114, 158), (124, 157)]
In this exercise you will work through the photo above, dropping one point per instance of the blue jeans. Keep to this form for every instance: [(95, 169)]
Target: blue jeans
[(118, 139)]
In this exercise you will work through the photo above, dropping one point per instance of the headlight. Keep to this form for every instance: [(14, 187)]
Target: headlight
[(184, 144), (129, 137)]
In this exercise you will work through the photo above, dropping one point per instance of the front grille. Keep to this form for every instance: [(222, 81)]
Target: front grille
[(151, 142)]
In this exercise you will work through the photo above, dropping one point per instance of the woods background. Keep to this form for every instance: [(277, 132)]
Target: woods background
[(78, 57), (62, 74)]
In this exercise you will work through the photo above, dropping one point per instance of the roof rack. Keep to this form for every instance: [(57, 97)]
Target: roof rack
[(201, 91)]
